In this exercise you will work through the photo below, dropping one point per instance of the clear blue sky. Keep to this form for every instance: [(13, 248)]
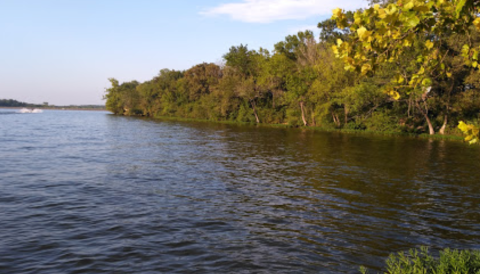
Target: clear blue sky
[(63, 51)]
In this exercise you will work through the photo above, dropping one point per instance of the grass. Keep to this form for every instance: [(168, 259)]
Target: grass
[(421, 261)]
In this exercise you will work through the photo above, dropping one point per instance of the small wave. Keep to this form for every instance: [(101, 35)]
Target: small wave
[(26, 110)]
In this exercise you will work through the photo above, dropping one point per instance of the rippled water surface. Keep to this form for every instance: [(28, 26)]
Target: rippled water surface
[(89, 192)]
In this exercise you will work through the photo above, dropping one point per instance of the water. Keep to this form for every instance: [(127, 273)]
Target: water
[(89, 192)]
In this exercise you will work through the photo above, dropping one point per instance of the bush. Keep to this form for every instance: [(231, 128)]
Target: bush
[(294, 117), (354, 126), (245, 114), (383, 121), (422, 262)]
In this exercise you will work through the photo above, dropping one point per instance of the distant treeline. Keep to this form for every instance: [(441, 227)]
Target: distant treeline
[(15, 103), (301, 83)]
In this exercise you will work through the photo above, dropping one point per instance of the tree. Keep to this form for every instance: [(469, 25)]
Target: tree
[(386, 34), (11, 103), (168, 98), (201, 78), (329, 91), (113, 97), (246, 64), (330, 32), (241, 59), (148, 94), (122, 98), (303, 49), (273, 76)]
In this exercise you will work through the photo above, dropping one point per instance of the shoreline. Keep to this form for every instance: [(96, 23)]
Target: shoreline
[(449, 137)]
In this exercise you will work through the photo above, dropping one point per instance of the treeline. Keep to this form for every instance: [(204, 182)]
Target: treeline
[(15, 103), (12, 103), (302, 83)]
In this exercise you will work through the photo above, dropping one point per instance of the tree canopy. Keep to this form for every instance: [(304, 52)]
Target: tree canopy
[(424, 39), (408, 66)]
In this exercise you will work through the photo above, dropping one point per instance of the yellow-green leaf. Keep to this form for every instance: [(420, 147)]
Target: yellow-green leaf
[(476, 22), (422, 8), (429, 44), (393, 93), (366, 68), (409, 5), (427, 82), (361, 32), (421, 71), (459, 7), (337, 13), (462, 126), (471, 132), (412, 21)]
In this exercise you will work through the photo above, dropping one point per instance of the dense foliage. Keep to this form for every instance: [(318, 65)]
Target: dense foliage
[(11, 103), (434, 44), (386, 86), (422, 262)]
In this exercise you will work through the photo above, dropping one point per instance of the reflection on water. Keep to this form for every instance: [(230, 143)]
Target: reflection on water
[(90, 192)]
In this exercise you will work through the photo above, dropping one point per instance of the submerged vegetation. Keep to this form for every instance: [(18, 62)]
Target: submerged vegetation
[(383, 69)]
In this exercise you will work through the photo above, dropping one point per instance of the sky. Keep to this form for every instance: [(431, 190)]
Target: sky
[(63, 51)]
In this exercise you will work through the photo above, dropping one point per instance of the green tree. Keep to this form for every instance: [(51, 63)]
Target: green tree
[(246, 63), (201, 78), (303, 50), (113, 97), (386, 34), (148, 95)]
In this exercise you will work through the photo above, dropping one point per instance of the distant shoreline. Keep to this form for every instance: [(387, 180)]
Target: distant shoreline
[(57, 108)]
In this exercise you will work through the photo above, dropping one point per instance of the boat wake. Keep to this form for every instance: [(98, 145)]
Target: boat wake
[(26, 110)]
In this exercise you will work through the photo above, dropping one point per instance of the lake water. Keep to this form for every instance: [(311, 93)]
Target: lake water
[(89, 192)]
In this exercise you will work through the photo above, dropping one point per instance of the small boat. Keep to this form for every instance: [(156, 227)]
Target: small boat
[(33, 110)]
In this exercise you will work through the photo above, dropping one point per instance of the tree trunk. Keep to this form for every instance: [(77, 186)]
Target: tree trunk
[(431, 131), (252, 102), (313, 119), (345, 108), (303, 114), (445, 120), (335, 119), (409, 106), (444, 126)]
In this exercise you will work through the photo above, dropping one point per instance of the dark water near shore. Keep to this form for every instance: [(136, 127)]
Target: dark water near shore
[(88, 192)]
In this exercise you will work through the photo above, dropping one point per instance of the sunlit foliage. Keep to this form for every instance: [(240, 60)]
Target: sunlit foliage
[(423, 38), (407, 66)]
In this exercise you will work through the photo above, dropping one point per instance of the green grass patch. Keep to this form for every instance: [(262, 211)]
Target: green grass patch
[(421, 261)]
